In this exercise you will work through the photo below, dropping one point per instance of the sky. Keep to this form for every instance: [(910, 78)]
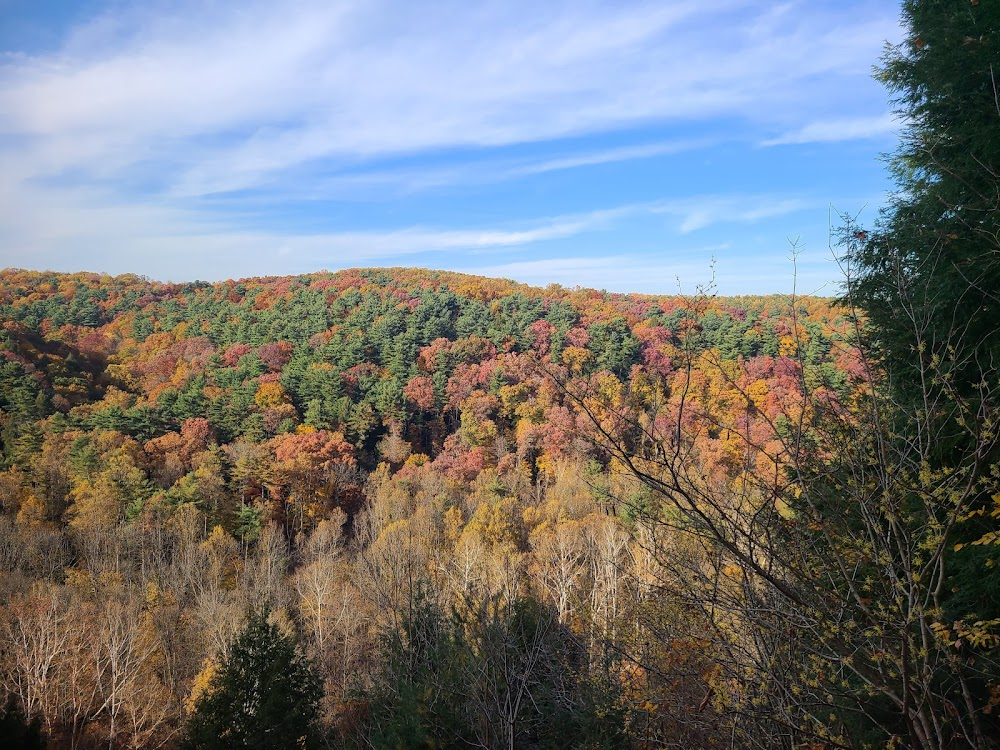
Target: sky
[(629, 146)]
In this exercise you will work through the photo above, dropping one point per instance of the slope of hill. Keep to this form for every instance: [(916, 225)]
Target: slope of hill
[(362, 352), (344, 448)]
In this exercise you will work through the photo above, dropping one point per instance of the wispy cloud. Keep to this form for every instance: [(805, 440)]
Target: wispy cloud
[(411, 179), (171, 239), (703, 211), (839, 129), (235, 93), (609, 156)]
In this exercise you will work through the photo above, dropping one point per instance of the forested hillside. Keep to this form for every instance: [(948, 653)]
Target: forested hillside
[(410, 471), (402, 509)]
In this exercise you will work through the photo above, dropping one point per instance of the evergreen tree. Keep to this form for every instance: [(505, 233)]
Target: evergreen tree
[(927, 276), (265, 695)]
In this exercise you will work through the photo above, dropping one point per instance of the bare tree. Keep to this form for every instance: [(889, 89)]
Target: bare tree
[(559, 564), (36, 636), (130, 696)]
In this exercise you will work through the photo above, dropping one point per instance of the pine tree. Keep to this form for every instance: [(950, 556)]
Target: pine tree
[(927, 279), (265, 695), (928, 276)]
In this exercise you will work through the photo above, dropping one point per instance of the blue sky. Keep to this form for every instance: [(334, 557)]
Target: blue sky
[(618, 145)]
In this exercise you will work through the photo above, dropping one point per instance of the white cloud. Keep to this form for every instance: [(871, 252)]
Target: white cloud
[(608, 156), (839, 129), (235, 93), (404, 180), (49, 228), (700, 212)]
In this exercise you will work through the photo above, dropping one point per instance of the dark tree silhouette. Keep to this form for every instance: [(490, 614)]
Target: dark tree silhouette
[(265, 695)]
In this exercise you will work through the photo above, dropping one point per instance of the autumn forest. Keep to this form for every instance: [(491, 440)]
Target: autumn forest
[(361, 452), (403, 509)]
